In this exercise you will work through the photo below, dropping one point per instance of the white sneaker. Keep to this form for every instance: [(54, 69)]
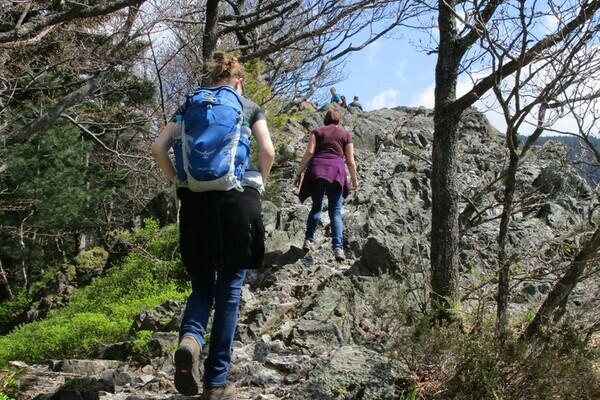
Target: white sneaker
[(339, 254), (308, 245)]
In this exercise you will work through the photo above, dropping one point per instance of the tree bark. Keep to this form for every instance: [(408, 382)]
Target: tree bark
[(503, 259), (444, 217), (209, 39)]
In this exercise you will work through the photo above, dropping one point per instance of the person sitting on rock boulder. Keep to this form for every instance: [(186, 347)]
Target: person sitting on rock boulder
[(356, 103), (335, 98)]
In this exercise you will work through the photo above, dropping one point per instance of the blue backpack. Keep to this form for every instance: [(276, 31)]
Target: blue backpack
[(212, 144)]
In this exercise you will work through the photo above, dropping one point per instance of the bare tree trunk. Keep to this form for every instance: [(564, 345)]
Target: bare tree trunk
[(81, 242), (5, 292), (444, 217), (209, 39), (503, 259), (555, 304), (24, 267), (25, 272)]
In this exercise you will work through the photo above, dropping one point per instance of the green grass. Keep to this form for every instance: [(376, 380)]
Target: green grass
[(103, 311)]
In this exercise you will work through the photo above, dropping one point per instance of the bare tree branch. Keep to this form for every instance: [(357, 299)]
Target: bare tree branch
[(95, 138), (65, 103), (79, 11)]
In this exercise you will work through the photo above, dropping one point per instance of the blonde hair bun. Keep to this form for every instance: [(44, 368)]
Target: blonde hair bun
[(224, 67)]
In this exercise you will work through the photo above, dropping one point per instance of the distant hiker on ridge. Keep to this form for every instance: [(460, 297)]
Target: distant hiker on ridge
[(335, 98), (356, 104), (343, 101)]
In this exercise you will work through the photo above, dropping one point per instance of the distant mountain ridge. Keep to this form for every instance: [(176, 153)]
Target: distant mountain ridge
[(579, 155)]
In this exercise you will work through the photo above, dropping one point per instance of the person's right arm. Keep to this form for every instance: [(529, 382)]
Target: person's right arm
[(349, 155), (266, 152), (160, 150)]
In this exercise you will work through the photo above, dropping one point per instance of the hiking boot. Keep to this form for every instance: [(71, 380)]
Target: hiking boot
[(339, 254), (187, 367), (308, 245), (226, 392)]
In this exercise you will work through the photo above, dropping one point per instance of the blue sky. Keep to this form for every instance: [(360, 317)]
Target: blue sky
[(390, 73)]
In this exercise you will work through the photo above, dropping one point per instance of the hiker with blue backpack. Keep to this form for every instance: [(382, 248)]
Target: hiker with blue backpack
[(221, 232), (329, 151)]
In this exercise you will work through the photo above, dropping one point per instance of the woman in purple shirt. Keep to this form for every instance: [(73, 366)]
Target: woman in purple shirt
[(329, 151)]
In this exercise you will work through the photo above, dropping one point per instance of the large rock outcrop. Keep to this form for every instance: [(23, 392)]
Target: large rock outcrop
[(314, 328)]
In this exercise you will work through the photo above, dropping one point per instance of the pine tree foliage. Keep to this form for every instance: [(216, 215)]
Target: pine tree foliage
[(74, 128)]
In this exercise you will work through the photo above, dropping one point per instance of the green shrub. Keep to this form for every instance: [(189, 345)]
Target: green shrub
[(478, 365), (9, 386), (59, 337), (141, 344), (103, 311), (10, 309), (481, 369), (256, 89)]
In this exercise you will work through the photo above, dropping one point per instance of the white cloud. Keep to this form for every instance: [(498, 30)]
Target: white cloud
[(400, 69), (550, 22), (386, 99), (372, 52), (425, 98)]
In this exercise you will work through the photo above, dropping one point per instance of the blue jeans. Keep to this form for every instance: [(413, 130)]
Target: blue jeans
[(334, 199), (223, 291)]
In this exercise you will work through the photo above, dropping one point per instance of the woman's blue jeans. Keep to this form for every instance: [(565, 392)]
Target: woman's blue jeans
[(223, 291), (334, 199)]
